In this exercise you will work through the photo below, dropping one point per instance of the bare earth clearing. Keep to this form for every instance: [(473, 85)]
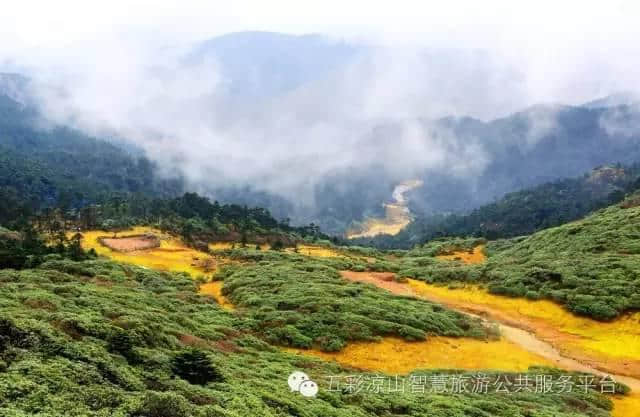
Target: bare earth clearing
[(130, 243)]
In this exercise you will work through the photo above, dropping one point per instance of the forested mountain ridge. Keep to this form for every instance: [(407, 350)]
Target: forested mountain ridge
[(54, 166), (540, 144), (61, 178)]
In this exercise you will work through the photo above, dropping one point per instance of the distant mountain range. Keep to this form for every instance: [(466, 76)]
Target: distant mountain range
[(258, 65), (536, 145)]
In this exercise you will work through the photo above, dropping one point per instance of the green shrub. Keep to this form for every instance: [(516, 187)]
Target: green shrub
[(195, 366), (161, 404)]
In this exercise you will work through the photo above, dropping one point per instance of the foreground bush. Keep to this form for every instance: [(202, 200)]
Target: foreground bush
[(196, 367)]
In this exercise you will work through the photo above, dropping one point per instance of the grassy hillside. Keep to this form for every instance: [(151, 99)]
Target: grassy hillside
[(100, 339), (302, 303), (592, 266)]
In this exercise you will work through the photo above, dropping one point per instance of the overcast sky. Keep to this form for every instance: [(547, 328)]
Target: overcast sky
[(33, 23)]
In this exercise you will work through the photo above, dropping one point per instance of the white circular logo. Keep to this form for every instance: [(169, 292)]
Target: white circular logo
[(308, 388), (295, 379)]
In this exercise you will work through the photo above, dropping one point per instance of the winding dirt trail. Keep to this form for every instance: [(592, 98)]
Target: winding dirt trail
[(509, 330)]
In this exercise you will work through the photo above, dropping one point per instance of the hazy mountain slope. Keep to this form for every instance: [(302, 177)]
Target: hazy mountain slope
[(288, 91), (623, 98), (540, 144), (13, 86), (526, 211), (536, 145), (44, 165)]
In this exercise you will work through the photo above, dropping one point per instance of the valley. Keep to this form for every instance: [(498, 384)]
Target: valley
[(397, 214), (319, 210)]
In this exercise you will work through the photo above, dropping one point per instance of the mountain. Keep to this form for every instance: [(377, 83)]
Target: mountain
[(307, 75), (258, 65), (14, 86), (274, 86), (536, 145), (44, 165), (623, 98)]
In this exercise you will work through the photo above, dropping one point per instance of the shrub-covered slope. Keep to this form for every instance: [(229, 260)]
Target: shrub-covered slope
[(306, 303), (100, 339), (592, 265)]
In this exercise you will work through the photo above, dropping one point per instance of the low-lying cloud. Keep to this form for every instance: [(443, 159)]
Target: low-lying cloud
[(377, 109)]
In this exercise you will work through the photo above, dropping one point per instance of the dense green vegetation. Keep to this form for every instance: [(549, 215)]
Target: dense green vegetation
[(96, 338), (306, 303), (523, 212), (591, 266), (27, 249), (420, 262), (194, 218)]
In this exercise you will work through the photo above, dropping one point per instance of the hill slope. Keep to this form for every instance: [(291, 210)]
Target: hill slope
[(98, 338), (45, 166), (591, 266)]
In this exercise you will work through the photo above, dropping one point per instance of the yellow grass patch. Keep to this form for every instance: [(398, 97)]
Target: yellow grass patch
[(396, 218), (316, 251), (390, 225), (172, 255), (476, 256), (397, 356), (214, 289), (626, 405), (235, 245)]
